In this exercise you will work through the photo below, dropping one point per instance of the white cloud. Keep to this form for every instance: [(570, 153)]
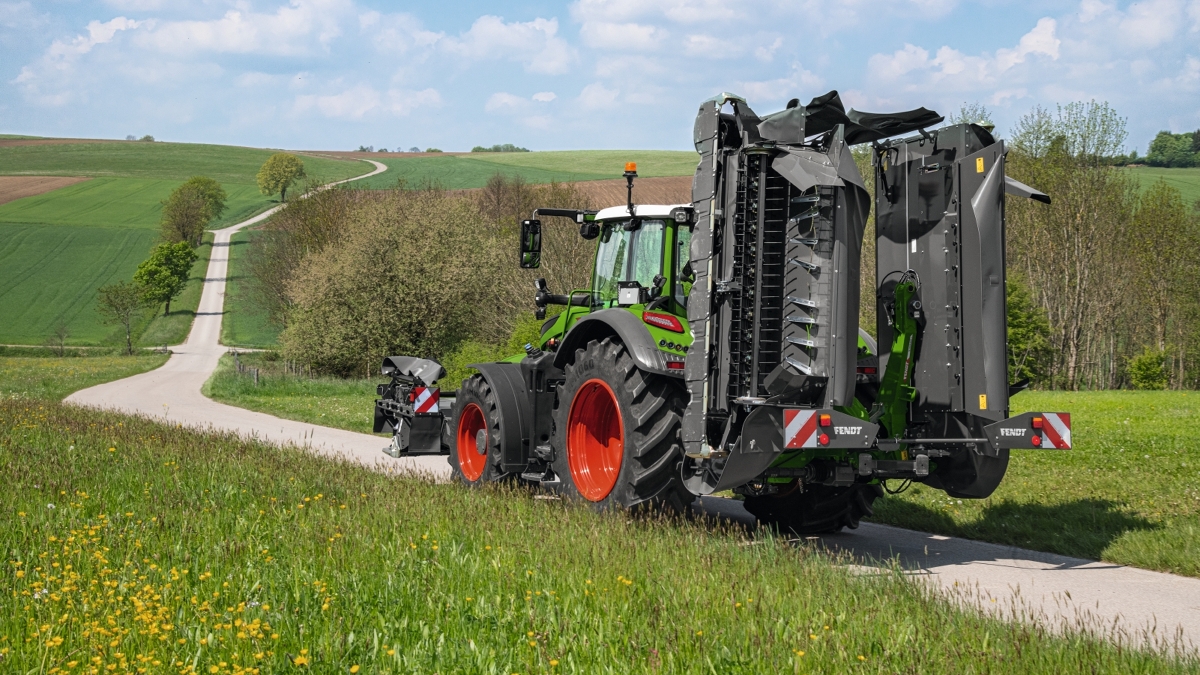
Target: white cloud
[(709, 47), (544, 96), (353, 103), (534, 44), (503, 101), (135, 5), (953, 71), (61, 56), (596, 95), (1152, 22), (767, 54), (622, 36), (20, 15), (794, 84), (682, 11), (303, 27), (396, 33)]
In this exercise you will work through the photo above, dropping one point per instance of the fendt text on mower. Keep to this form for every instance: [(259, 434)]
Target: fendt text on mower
[(718, 347)]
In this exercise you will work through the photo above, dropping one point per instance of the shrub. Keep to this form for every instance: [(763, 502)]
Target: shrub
[(1028, 335), (409, 275), (185, 214), (1148, 370)]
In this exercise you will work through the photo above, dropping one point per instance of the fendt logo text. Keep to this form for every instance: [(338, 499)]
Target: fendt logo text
[(1012, 432), (847, 430)]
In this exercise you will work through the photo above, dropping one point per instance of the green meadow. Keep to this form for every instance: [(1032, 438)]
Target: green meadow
[(1187, 181), (455, 172), (244, 323), (132, 545), (57, 248)]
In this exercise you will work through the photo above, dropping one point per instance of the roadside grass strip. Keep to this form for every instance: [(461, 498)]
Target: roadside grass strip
[(56, 377), (245, 323), (130, 544), (1128, 492)]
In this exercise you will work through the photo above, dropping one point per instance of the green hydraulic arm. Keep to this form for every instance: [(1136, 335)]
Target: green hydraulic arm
[(895, 390)]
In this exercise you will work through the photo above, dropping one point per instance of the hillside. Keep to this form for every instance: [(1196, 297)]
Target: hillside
[(62, 238)]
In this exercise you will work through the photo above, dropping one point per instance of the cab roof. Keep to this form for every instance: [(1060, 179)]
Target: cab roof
[(643, 210)]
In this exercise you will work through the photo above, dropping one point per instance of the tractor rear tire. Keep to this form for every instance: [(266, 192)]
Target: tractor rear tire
[(818, 509), (617, 433), (475, 411)]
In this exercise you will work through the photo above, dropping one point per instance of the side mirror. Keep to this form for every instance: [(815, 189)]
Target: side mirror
[(531, 244)]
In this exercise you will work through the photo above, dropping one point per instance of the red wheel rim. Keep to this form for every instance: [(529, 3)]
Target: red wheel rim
[(595, 440), (470, 422)]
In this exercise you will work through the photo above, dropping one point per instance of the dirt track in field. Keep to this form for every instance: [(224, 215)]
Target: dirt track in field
[(13, 188)]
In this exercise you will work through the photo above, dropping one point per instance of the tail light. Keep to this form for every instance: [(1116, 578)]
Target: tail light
[(1036, 440), (825, 420), (823, 439), (868, 370), (664, 321), (1038, 422)]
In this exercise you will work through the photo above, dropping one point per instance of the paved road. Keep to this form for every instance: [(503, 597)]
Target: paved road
[(172, 392), (1146, 606)]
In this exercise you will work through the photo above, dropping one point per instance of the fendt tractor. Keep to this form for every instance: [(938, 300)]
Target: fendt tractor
[(718, 348)]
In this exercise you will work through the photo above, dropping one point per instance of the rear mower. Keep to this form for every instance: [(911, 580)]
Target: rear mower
[(717, 346)]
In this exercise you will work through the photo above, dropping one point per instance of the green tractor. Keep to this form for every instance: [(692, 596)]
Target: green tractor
[(718, 348)]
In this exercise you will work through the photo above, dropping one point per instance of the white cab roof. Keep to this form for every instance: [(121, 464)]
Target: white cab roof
[(643, 210)]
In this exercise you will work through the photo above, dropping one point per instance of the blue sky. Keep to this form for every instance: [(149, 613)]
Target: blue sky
[(334, 74)]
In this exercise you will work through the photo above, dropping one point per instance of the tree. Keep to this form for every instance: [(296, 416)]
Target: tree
[(213, 193), (1173, 150), (185, 214), (147, 138), (118, 304), (278, 173), (1028, 335), (971, 113), (165, 273), (58, 341)]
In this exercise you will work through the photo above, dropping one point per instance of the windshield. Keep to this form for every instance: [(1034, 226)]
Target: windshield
[(627, 256)]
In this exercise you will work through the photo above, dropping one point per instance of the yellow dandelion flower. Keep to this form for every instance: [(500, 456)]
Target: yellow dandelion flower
[(699, 632), (553, 663), (799, 652), (354, 668), (298, 661), (861, 657), (812, 636), (391, 652), (532, 643)]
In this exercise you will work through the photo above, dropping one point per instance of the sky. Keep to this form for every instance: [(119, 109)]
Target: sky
[(337, 74)]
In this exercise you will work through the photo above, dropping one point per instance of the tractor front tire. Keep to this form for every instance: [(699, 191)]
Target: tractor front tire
[(617, 433), (818, 509), (475, 413)]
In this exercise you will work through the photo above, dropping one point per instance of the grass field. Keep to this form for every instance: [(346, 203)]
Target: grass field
[(244, 324), (158, 161), (1129, 492), (57, 248), (471, 171), (131, 544), (1187, 181), (172, 329), (53, 377), (49, 275)]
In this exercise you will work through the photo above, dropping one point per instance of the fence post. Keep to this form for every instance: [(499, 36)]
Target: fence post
[(256, 377)]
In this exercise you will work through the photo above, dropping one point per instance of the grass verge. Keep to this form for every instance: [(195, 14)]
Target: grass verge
[(56, 377), (331, 402), (133, 544), (244, 323), (1129, 491)]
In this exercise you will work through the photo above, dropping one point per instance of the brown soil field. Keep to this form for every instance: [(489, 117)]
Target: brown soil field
[(15, 142), (13, 188), (669, 190)]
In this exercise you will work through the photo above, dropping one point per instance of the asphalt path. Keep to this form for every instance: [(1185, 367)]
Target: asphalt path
[(1123, 603)]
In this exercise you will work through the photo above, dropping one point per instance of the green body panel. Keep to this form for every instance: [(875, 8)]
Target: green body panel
[(895, 390)]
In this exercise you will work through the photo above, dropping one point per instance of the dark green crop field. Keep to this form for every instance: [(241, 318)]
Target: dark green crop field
[(455, 172)]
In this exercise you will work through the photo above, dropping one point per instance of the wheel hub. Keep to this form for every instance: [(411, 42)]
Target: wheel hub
[(595, 440)]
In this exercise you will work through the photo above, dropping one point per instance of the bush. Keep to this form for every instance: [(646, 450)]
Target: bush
[(409, 275), (1148, 371), (1028, 336)]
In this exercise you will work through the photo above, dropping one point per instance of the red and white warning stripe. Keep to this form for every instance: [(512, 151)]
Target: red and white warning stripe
[(1056, 430), (425, 399), (800, 428)]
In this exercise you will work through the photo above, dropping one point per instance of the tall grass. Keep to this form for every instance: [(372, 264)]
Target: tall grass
[(130, 544)]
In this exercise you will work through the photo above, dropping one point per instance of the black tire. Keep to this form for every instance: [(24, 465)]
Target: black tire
[(819, 509), (475, 397), (650, 414)]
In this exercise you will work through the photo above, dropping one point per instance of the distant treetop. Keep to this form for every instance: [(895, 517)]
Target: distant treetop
[(507, 147)]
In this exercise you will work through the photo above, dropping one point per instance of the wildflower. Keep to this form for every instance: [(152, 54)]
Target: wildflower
[(112, 449), (799, 652), (553, 662), (861, 657), (812, 636), (532, 643), (21, 514), (301, 660), (354, 669), (50, 506), (391, 652), (699, 632)]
